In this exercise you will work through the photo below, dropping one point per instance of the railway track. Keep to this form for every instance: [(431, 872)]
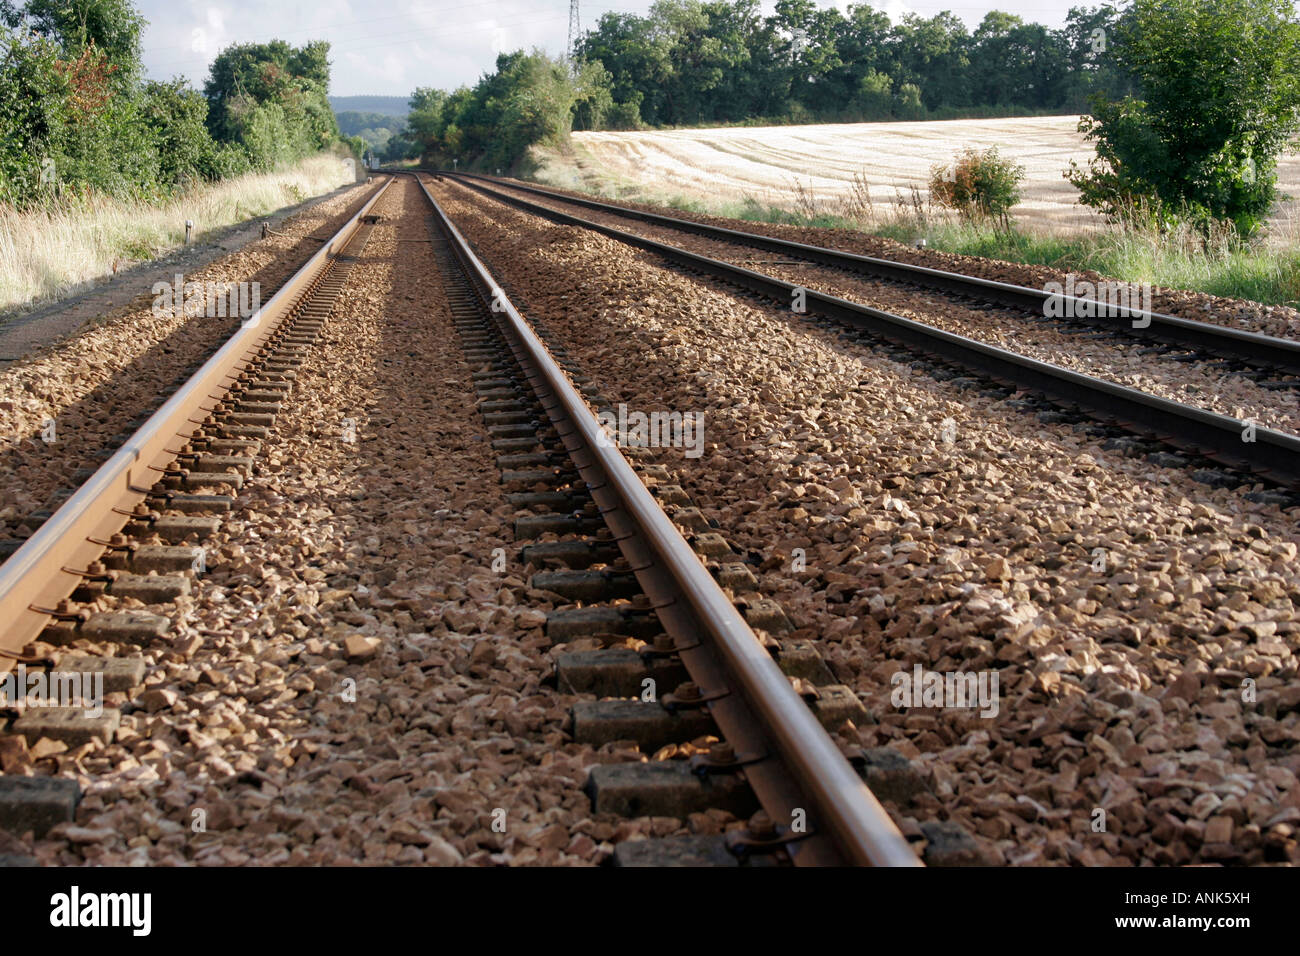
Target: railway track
[(770, 736), (1250, 349), (1100, 589), (640, 653), (1255, 453), (689, 670), (133, 535)]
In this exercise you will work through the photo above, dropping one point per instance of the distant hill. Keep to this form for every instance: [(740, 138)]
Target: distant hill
[(375, 128), (387, 105)]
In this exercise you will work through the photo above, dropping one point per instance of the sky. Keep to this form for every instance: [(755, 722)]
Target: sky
[(390, 49)]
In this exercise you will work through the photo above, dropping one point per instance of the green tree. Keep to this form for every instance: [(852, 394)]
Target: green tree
[(807, 45), (177, 116), (1089, 37), (594, 104), (873, 99), (933, 55), (861, 46), (272, 99), (112, 26), (426, 119), (1018, 63), (1219, 85), (908, 104), (529, 98), (34, 115), (636, 59)]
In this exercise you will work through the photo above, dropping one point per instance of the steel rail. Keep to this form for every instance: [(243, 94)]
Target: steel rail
[(44, 570), (1252, 347), (1236, 443), (860, 825)]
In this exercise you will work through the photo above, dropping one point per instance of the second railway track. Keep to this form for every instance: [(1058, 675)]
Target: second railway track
[(1237, 442), (1251, 349)]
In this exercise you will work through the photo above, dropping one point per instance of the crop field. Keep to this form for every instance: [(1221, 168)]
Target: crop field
[(770, 165)]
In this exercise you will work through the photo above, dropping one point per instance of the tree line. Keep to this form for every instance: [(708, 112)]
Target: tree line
[(690, 62), (1188, 102), (78, 117)]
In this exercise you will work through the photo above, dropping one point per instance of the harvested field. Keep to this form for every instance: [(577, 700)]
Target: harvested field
[(720, 166)]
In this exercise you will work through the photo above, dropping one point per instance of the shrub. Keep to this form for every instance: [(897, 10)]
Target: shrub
[(34, 113), (978, 185), (873, 95)]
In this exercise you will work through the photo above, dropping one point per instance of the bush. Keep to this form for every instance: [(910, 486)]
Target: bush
[(978, 185), (625, 115), (1220, 99), (873, 95), (34, 114), (225, 161), (176, 116)]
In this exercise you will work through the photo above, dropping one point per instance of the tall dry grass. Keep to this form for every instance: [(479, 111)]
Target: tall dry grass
[(48, 254)]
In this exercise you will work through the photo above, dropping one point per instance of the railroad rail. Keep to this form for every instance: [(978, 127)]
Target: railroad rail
[(1241, 445), (1252, 348), (65, 553)]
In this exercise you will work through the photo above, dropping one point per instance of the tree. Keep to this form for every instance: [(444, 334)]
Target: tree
[(112, 26), (594, 104), (272, 98), (1015, 63), (426, 119), (34, 115), (808, 47), (529, 98), (1089, 37), (872, 97), (933, 55), (1219, 82), (177, 116), (907, 102), (626, 46), (862, 50)]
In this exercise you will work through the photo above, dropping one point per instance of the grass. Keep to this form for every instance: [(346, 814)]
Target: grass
[(1259, 272), (49, 254)]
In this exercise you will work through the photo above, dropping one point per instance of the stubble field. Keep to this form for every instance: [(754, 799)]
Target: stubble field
[(724, 167)]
